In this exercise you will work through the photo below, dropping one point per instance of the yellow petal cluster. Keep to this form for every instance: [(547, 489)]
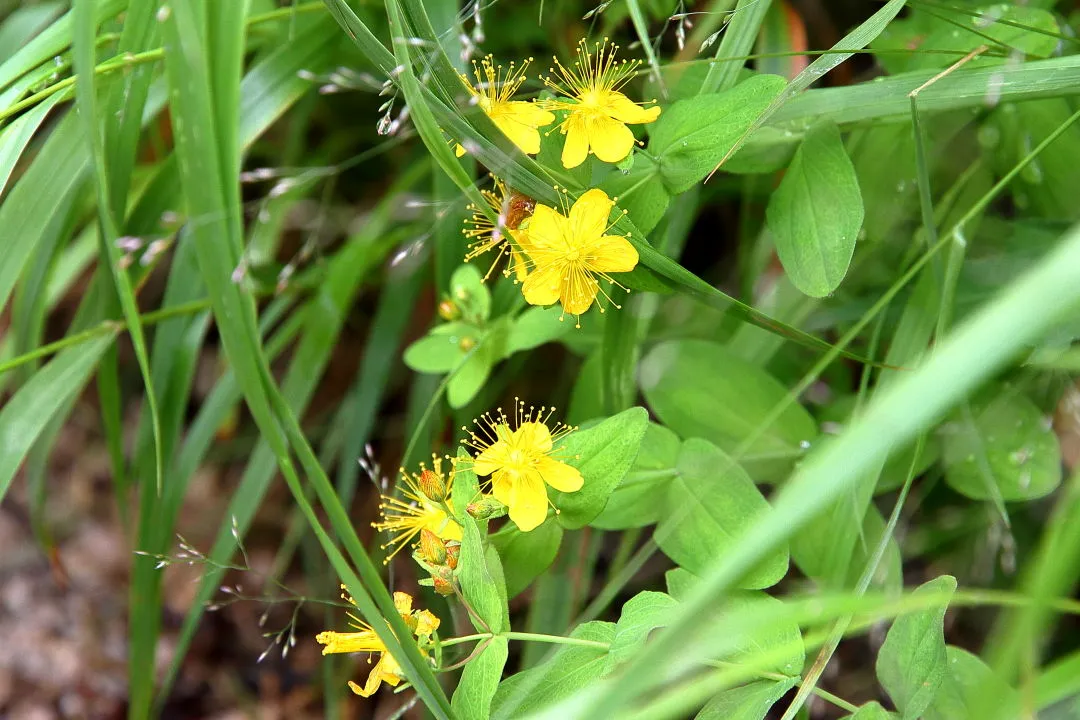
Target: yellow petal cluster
[(519, 455), (570, 253), (598, 112), (421, 622)]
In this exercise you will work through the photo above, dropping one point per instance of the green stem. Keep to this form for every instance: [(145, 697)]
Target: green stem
[(555, 640), (285, 13), (117, 63), (106, 328), (527, 637)]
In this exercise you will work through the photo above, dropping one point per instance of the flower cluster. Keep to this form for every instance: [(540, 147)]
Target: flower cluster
[(590, 93), (421, 623), (519, 454), (559, 254)]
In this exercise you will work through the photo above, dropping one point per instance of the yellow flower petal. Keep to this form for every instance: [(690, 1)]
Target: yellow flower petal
[(528, 113), (578, 290), (458, 150), (426, 623), (545, 231), (559, 475), (533, 437), (526, 137), (528, 503), (491, 459), (502, 486), (623, 109), (609, 139), (612, 253), (519, 264), (576, 147), (543, 286), (403, 603), (386, 670), (589, 216), (350, 642)]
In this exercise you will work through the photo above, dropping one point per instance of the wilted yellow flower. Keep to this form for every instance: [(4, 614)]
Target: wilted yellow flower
[(518, 455), (517, 119), (505, 235), (422, 624), (567, 253), (405, 518), (599, 112)]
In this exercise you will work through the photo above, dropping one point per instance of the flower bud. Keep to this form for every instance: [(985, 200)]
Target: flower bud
[(453, 551), (432, 484), (448, 310), (432, 548), (442, 586), (485, 508)]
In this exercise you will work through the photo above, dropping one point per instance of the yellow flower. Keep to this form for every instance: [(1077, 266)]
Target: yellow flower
[(506, 235), (422, 624), (518, 120), (599, 112), (520, 462), (404, 519), (569, 252)]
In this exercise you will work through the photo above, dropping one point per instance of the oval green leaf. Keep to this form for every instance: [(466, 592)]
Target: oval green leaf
[(710, 505), (701, 389), (817, 212), (1003, 447), (694, 134)]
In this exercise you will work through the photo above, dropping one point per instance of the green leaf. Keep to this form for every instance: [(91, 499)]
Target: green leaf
[(680, 582), (17, 135), (733, 404), (440, 351), (1004, 448), (640, 615), (479, 680), (478, 571), (640, 191), (526, 554), (872, 711), (469, 293), (772, 631), (535, 327), (911, 664), (834, 547), (747, 702), (481, 578), (816, 213), (963, 690), (570, 669), (34, 210), (25, 415), (470, 376), (466, 488), (710, 505), (603, 454), (638, 499), (997, 23), (692, 135)]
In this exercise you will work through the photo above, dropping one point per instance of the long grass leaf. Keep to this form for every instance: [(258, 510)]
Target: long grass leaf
[(25, 415)]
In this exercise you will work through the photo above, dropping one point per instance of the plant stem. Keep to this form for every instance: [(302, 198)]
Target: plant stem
[(527, 637)]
